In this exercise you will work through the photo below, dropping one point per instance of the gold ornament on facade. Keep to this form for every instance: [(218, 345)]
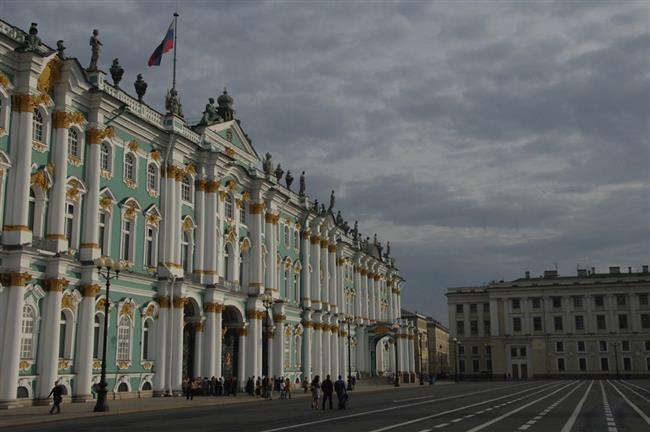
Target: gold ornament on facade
[(105, 203), (68, 302), (258, 208), (200, 185), (189, 169), (56, 285), (164, 302), (153, 219), (222, 195), (4, 81), (99, 306), (324, 243), (74, 160), (63, 120), (199, 327), (14, 279), (230, 152), (253, 314), (211, 186), (241, 331), (246, 196), (331, 248), (97, 364), (180, 302), (123, 364), (187, 224), (231, 185), (106, 174), (89, 290), (279, 318), (49, 76), (96, 135), (39, 178), (127, 309), (129, 210), (147, 365), (64, 364), (27, 102), (155, 155), (24, 365), (245, 245), (314, 239), (133, 146)]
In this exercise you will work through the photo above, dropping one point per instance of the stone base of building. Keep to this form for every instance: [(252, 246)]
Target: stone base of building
[(9, 404), (82, 398)]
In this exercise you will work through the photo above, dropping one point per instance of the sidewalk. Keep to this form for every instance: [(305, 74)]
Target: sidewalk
[(39, 414)]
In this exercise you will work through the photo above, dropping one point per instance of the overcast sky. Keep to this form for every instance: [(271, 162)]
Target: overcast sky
[(482, 139)]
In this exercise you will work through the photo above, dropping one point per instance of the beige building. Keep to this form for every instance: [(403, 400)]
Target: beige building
[(420, 324), (438, 342), (590, 324)]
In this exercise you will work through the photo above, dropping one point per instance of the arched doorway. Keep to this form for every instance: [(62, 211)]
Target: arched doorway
[(231, 323), (191, 317)]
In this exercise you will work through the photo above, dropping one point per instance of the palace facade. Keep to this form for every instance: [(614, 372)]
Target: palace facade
[(228, 272), (585, 325)]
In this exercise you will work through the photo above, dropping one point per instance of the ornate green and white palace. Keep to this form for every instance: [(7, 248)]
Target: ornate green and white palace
[(227, 271)]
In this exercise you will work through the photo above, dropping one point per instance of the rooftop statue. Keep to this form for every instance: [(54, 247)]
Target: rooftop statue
[(210, 114), (32, 42), (355, 230), (339, 218), (380, 248), (301, 192), (288, 179), (278, 172), (96, 47), (374, 239), (117, 71), (322, 209), (140, 87), (332, 201), (60, 49), (173, 103), (315, 206), (387, 254), (267, 165), (346, 227)]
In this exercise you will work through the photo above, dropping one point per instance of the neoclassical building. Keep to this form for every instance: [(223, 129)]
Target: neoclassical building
[(228, 272)]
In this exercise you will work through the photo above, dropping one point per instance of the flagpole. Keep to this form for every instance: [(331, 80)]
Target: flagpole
[(175, 33)]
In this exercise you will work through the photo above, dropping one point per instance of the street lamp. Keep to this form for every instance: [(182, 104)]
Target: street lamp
[(348, 321), (440, 370), (396, 328), (456, 343), (108, 269), (267, 301)]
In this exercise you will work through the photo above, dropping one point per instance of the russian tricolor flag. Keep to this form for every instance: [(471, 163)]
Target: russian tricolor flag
[(166, 45)]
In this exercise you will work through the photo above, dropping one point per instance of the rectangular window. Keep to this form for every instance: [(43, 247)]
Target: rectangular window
[(577, 302), (516, 324), (459, 308), (647, 345), (475, 365), (126, 240), (537, 323), (474, 350), (486, 327), (580, 322), (643, 299), (461, 366), (647, 363), (604, 364), (149, 252), (537, 303), (601, 323), (102, 232), (488, 363), (513, 352), (516, 303), (645, 321), (486, 307), (627, 363), (599, 301), (461, 350), (625, 345), (602, 345), (488, 350), (472, 308), (560, 364), (69, 221), (473, 327), (559, 347), (622, 322), (460, 327), (557, 302), (620, 300), (558, 323), (522, 352), (581, 346), (582, 362)]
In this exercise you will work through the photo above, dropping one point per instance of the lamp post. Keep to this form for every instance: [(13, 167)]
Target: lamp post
[(618, 376), (456, 342), (440, 370), (267, 301), (348, 321), (108, 270)]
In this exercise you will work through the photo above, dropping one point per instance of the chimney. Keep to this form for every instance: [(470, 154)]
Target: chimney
[(528, 274), (582, 273), (550, 274), (645, 269), (614, 270)]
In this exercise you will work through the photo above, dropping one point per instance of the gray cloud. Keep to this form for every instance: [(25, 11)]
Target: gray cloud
[(483, 139)]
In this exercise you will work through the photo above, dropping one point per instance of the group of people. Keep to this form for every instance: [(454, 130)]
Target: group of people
[(323, 391), (209, 387), (265, 386)]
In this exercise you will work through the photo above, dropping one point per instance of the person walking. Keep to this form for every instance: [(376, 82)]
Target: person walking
[(57, 395), (328, 390), (287, 388), (315, 392), (341, 392), (187, 387)]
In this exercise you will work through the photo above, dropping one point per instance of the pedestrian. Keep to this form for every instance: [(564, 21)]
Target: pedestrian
[(187, 387), (315, 392), (341, 392), (195, 388), (328, 390), (57, 395), (258, 387), (287, 388)]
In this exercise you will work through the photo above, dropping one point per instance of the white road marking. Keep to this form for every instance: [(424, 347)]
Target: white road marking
[(425, 430), (629, 402), (639, 387), (516, 410), (456, 420), (609, 418), (392, 408), (419, 419), (633, 391), (574, 415), (430, 396), (548, 409), (441, 425)]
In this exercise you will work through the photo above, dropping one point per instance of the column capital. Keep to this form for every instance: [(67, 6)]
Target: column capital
[(56, 285), (15, 279), (180, 302), (279, 318), (164, 302), (314, 239), (241, 331), (96, 135), (213, 307), (257, 207), (27, 102), (89, 290), (63, 119), (253, 314)]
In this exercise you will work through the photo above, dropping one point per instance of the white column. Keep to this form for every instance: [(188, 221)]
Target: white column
[(15, 229), (333, 280), (160, 384), (481, 327), (200, 239), (208, 228), (254, 337), (335, 356), (278, 348), (411, 349), (305, 294), (85, 339), (269, 280), (315, 274), (14, 284), (55, 229), (198, 345), (494, 317), (256, 283), (48, 354), (177, 345), (365, 300), (316, 348), (89, 247), (359, 293), (327, 347), (241, 358), (210, 340), (325, 285), (218, 340)]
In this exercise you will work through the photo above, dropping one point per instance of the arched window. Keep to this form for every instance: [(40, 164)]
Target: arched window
[(287, 283), (69, 221), (241, 269), (73, 143), (98, 332), (129, 167), (150, 246), (186, 253), (242, 215), (287, 238), (146, 335), (146, 386), (152, 178), (287, 350), (62, 334), (123, 387), (186, 189), (38, 133), (227, 206), (105, 157), (227, 272), (296, 284), (31, 210), (298, 350), (124, 339), (27, 335)]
